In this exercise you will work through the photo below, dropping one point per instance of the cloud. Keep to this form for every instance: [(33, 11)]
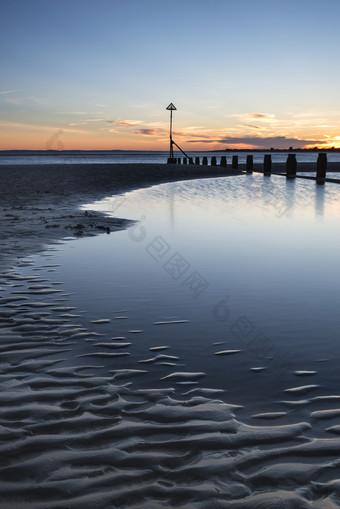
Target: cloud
[(29, 127), (252, 126), (280, 142), (152, 132), (97, 119), (261, 115), (126, 123), (12, 91), (26, 100)]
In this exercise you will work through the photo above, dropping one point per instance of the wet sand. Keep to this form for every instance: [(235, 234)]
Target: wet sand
[(76, 435)]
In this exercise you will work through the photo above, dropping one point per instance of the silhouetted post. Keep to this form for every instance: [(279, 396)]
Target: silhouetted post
[(291, 166), (213, 161), (197, 161), (267, 165), (179, 160), (171, 159), (185, 160), (223, 161), (205, 160), (234, 163), (321, 168), (250, 164), (191, 161)]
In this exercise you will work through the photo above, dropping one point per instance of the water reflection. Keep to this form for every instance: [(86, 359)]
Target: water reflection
[(319, 201), (257, 241)]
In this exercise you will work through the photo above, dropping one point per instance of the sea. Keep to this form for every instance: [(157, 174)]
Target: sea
[(141, 157)]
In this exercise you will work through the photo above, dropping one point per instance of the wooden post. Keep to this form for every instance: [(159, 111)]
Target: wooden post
[(179, 160), (234, 163), (197, 161), (191, 161), (213, 161), (205, 161), (250, 164), (267, 165), (223, 161), (321, 168), (291, 166), (185, 160)]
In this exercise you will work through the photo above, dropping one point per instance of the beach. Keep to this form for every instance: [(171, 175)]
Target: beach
[(77, 427), (40, 203)]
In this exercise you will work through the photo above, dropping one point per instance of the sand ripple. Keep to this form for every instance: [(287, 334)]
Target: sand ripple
[(75, 434)]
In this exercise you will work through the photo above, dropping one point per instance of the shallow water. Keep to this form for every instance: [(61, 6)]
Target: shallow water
[(224, 293), (256, 254)]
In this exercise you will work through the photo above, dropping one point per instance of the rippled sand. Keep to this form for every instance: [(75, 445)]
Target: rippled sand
[(75, 434)]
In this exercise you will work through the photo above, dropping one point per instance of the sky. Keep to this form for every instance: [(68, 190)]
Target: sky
[(99, 74)]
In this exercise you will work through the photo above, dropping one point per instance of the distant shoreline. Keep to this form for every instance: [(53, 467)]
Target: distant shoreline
[(20, 152)]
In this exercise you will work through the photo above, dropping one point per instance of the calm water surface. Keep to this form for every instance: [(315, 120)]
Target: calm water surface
[(249, 263)]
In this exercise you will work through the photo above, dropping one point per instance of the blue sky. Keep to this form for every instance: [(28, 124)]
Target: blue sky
[(103, 72)]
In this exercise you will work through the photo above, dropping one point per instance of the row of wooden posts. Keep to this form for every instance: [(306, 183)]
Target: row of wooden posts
[(291, 164)]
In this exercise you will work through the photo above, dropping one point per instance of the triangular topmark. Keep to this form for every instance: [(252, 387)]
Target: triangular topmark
[(171, 107)]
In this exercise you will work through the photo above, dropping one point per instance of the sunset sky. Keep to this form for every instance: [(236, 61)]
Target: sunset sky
[(86, 74)]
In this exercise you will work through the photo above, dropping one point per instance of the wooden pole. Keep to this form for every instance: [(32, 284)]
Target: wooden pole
[(250, 164), (223, 161), (291, 166), (267, 165), (321, 168), (234, 163)]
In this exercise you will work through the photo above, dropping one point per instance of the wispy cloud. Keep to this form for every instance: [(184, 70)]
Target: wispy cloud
[(127, 123), (96, 119), (152, 132), (266, 143), (45, 128), (251, 126), (27, 100), (261, 117), (12, 91)]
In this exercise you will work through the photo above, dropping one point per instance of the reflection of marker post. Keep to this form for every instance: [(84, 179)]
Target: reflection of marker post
[(171, 107)]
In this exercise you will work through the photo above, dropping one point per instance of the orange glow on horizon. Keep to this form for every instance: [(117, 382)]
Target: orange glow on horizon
[(39, 137)]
